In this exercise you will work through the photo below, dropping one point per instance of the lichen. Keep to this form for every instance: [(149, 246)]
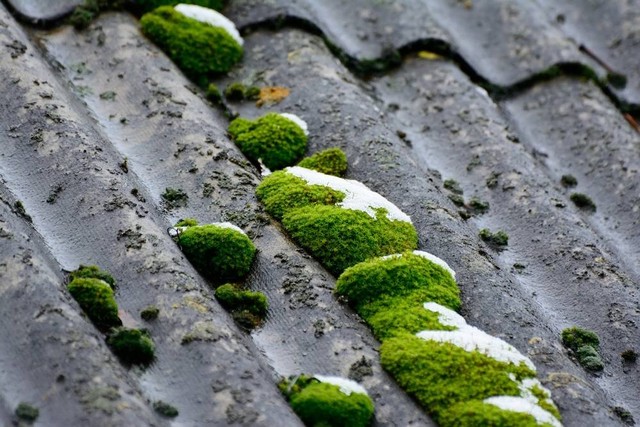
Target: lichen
[(92, 272), (96, 299), (200, 50), (332, 161), (132, 346), (276, 140)]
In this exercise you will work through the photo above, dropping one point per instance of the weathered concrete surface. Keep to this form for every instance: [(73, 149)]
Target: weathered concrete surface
[(342, 112), (172, 138)]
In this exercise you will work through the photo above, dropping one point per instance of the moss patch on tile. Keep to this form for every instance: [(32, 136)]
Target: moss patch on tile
[(92, 272), (132, 346), (248, 308), (478, 413), (584, 344), (332, 161), (96, 299)]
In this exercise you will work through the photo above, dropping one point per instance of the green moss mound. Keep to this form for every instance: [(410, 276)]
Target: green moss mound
[(399, 317), (221, 254), (96, 299), (479, 414), (340, 238), (322, 405), (276, 140), (27, 412), (132, 346), (439, 375), (148, 5), (92, 272), (233, 298), (282, 192), (187, 222), (331, 161), (575, 337), (199, 49), (384, 283)]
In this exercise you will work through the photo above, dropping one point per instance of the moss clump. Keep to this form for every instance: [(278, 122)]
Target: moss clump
[(341, 238), (629, 356), (147, 5), (132, 346), (26, 412), (584, 344), (150, 313), (238, 92), (174, 198), (165, 409), (92, 272), (477, 206), (199, 49), (213, 94), (453, 186), (187, 222), (282, 192), (583, 201), (440, 375), (221, 254), (322, 404), (331, 161), (396, 317), (568, 181), (477, 413), (276, 140), (498, 239), (248, 308), (96, 300)]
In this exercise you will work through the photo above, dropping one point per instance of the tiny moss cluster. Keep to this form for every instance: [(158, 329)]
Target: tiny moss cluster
[(96, 299), (584, 344), (583, 202), (132, 346), (26, 412), (278, 141), (165, 409), (321, 404), (92, 272), (497, 240), (248, 308), (331, 161), (239, 92), (220, 253), (199, 49)]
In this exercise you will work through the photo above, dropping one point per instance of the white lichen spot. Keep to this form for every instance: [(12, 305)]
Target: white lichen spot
[(297, 120), (211, 17), (522, 405), (434, 259), (345, 385), (470, 338), (357, 196)]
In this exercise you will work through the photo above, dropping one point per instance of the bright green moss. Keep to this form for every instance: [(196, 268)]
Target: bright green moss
[(282, 192), (331, 161), (400, 317), (187, 222), (147, 5), (199, 49), (221, 254), (96, 299), (476, 413), (372, 285), (323, 405), (439, 375), (575, 337), (233, 298), (276, 140), (545, 402), (92, 272), (132, 346), (340, 238)]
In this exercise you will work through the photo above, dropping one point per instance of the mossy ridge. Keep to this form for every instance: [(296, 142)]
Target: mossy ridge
[(221, 254), (340, 238), (144, 6), (282, 192), (132, 346), (92, 272), (332, 161), (476, 413), (278, 141), (440, 375), (322, 404), (96, 299), (200, 50)]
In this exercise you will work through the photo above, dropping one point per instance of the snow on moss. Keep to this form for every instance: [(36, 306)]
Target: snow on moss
[(471, 338), (346, 386), (357, 195), (175, 231), (522, 405), (297, 120), (211, 17), (434, 259)]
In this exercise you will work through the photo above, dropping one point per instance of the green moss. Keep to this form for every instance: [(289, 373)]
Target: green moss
[(340, 238), (545, 402), (165, 409), (453, 186), (221, 254), (276, 140), (457, 199), (568, 181), (213, 94), (96, 299), (235, 91), (322, 405), (583, 201), (252, 93), (497, 240), (92, 272), (331, 161), (282, 192), (233, 298), (384, 283), (589, 358), (187, 222), (477, 206), (439, 375), (476, 413), (399, 317), (26, 412), (629, 356), (132, 346), (200, 50), (147, 5), (174, 198), (150, 313), (575, 337)]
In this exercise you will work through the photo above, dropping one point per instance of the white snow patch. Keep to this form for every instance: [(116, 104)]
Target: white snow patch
[(346, 386), (297, 120), (357, 195), (211, 17), (470, 338), (264, 171), (522, 405), (229, 225), (434, 259)]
